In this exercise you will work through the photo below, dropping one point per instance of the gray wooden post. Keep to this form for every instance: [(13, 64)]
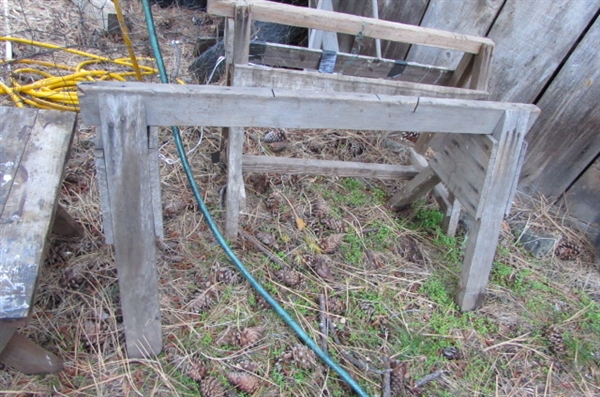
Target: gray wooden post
[(125, 142)]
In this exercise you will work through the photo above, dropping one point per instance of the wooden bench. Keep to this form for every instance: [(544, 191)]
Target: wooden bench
[(34, 146)]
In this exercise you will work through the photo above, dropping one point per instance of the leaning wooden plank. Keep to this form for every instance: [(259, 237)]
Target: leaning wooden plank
[(526, 59), (483, 236), (570, 115), (462, 163), (236, 195), (25, 221), (280, 55), (27, 357), (253, 76), (125, 138), (473, 17), (212, 105), (101, 177), (286, 165), (19, 123), (414, 189), (351, 24)]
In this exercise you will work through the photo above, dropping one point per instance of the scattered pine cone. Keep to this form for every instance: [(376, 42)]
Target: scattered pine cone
[(319, 208), (244, 381), (197, 370), (289, 277), (278, 147), (320, 264), (367, 308), (397, 379), (555, 338), (224, 274), (72, 277), (331, 243), (273, 202), (211, 387), (336, 306), (301, 356), (276, 135), (567, 251), (336, 225), (250, 336), (204, 300), (267, 239), (410, 136)]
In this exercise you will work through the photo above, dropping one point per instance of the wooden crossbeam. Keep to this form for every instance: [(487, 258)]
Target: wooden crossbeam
[(245, 107), (330, 21)]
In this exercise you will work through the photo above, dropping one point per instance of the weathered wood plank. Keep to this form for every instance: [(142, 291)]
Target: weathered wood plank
[(570, 117), (351, 24), (154, 168), (250, 76), (241, 35), (319, 39), (462, 164), (236, 194), (27, 357), (102, 179), (244, 107), (125, 138), (414, 189), (16, 127), (526, 57), (483, 236), (474, 17), (64, 225), (28, 211), (326, 167), (280, 55)]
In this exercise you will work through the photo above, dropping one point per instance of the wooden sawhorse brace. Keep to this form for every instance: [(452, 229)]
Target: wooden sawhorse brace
[(480, 165)]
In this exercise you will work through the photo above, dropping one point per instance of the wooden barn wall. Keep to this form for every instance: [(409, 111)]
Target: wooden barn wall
[(546, 53)]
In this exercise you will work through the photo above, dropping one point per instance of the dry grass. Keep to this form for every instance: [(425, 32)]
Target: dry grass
[(385, 280)]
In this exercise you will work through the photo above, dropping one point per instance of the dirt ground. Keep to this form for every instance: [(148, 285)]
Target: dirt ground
[(383, 281)]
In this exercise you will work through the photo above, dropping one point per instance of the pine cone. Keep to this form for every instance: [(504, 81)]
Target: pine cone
[(72, 277), (355, 148), (267, 239), (303, 357), (336, 306), (211, 387), (244, 381), (276, 135), (250, 336), (223, 274), (555, 338), (319, 208), (196, 370), (273, 202), (397, 378), (410, 136), (320, 264), (289, 277), (336, 225), (277, 147), (367, 308), (331, 243), (203, 300), (567, 251)]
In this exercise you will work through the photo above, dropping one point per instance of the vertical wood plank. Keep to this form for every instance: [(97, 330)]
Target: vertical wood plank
[(125, 139), (532, 39), (483, 236), (154, 168), (241, 34), (101, 177), (27, 357), (465, 16), (236, 194), (570, 116)]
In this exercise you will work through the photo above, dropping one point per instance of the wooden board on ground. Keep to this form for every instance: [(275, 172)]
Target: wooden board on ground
[(565, 140), (29, 207)]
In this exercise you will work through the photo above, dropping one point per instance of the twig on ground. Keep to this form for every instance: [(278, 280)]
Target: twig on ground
[(259, 246), (386, 388), (323, 322), (429, 378)]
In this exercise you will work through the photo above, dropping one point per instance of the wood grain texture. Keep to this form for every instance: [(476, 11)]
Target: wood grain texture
[(65, 226), (28, 211), (462, 163), (250, 76), (483, 236), (125, 138), (416, 188), (154, 169), (236, 195), (472, 17), (326, 167), (244, 107), (241, 35), (351, 24), (565, 140), (532, 39), (280, 55), (102, 179)]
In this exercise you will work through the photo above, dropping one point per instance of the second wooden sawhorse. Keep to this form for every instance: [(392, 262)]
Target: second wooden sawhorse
[(479, 165)]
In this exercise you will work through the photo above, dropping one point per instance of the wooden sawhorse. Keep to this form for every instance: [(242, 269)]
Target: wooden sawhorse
[(479, 165), (34, 146)]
